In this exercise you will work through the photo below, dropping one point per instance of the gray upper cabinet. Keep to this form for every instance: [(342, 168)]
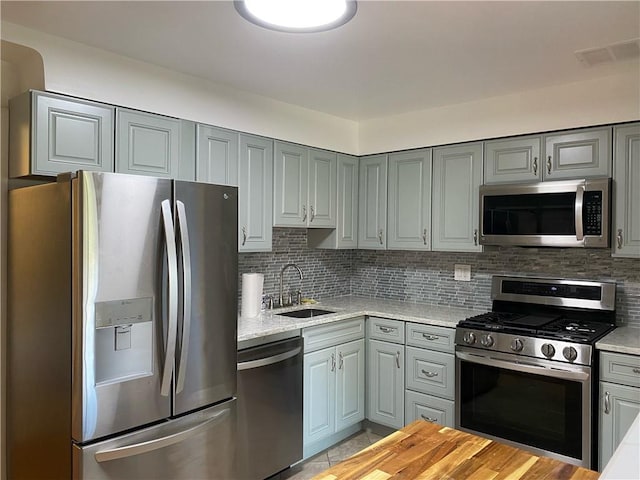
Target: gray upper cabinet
[(304, 187), (345, 235), (322, 188), (409, 205), (255, 194), (626, 202), (513, 160), (457, 176), (372, 203), (148, 144), (52, 134), (216, 155), (578, 154)]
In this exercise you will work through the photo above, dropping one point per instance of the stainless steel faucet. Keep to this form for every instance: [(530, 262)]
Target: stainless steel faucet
[(281, 279)]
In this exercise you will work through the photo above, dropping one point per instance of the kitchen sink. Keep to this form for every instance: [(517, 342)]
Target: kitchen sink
[(306, 313)]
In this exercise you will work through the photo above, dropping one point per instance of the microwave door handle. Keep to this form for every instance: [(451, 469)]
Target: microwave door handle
[(578, 212)]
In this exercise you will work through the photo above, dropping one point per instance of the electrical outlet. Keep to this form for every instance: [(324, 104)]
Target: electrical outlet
[(462, 272)]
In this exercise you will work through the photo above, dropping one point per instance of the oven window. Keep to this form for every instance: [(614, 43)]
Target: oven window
[(530, 214), (533, 410)]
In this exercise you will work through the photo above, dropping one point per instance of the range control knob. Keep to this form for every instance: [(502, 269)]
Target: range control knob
[(486, 340), (570, 353), (548, 350), (469, 338), (517, 345)]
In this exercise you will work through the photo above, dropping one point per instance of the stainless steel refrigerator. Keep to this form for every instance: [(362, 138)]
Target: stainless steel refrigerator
[(121, 334)]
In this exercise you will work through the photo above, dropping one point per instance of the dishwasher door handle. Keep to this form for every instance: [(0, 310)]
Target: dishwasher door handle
[(263, 362)]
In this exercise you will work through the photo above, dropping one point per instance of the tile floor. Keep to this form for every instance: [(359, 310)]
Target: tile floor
[(319, 463)]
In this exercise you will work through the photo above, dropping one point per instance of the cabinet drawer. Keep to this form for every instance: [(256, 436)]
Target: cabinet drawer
[(323, 336), (386, 329), (432, 409), (620, 368), (430, 372), (430, 336)]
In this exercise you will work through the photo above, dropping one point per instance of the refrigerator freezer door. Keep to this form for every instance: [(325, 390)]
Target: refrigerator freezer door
[(206, 355), (199, 445), (120, 259)]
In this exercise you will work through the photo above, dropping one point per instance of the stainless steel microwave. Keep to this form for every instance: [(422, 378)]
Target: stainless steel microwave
[(572, 213)]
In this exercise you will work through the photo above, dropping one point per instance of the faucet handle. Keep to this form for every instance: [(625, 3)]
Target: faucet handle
[(299, 297)]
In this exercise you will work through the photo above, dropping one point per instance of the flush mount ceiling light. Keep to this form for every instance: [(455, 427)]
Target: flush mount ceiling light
[(297, 15)]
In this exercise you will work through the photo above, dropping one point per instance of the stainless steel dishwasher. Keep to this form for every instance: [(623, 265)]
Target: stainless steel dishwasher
[(269, 405)]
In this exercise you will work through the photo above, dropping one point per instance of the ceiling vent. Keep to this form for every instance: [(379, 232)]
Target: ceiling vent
[(615, 52)]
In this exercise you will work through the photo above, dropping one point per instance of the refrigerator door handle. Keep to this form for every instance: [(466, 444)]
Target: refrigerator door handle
[(172, 266), (158, 443), (186, 302)]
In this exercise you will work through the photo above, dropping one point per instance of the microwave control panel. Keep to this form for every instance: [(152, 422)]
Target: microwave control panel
[(592, 213)]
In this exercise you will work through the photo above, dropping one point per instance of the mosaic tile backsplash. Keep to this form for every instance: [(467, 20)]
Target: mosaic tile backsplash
[(427, 277)]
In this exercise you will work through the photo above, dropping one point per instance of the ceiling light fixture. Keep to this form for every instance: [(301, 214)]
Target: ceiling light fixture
[(297, 16)]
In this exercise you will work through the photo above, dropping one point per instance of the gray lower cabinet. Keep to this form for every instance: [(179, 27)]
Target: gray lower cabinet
[(457, 176), (345, 235), (334, 383), (513, 160), (409, 200), (148, 144), (430, 374), (626, 200), (216, 155), (619, 400), (304, 187), (577, 154), (385, 371), (255, 194), (372, 202), (52, 134)]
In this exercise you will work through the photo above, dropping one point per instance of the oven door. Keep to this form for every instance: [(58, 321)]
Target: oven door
[(541, 406)]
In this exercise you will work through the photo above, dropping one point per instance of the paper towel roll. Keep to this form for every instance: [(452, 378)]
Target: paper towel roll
[(251, 294)]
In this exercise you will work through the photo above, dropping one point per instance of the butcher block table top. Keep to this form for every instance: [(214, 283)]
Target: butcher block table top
[(424, 450)]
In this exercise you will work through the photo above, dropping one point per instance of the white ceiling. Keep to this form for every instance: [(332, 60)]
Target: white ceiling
[(393, 57)]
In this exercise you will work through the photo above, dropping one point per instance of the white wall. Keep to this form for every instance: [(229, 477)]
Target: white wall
[(605, 100), (82, 71)]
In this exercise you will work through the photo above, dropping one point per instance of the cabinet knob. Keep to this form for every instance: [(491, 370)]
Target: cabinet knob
[(619, 238)]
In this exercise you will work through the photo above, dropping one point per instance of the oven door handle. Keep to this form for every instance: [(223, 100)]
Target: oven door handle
[(526, 368)]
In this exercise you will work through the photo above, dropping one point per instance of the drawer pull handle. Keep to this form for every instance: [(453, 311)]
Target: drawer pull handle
[(636, 370), (387, 329), (430, 337), (607, 403), (429, 374), (333, 362), (341, 362), (429, 419), (398, 359)]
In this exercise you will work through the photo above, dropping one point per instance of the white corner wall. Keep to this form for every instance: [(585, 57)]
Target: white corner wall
[(604, 100), (76, 69)]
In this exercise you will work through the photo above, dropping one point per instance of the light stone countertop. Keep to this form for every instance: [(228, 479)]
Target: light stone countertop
[(621, 340), (625, 462), (269, 322)]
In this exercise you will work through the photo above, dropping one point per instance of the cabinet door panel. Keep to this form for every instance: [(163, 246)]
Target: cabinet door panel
[(290, 185), (409, 220), (255, 194), (147, 144), (584, 153), (347, 221), (319, 395), (457, 176), (372, 205), (71, 135), (624, 406), (322, 189), (513, 160), (626, 179), (217, 155), (385, 369), (350, 384)]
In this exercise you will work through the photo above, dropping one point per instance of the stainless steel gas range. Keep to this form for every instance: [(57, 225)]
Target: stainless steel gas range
[(526, 371)]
